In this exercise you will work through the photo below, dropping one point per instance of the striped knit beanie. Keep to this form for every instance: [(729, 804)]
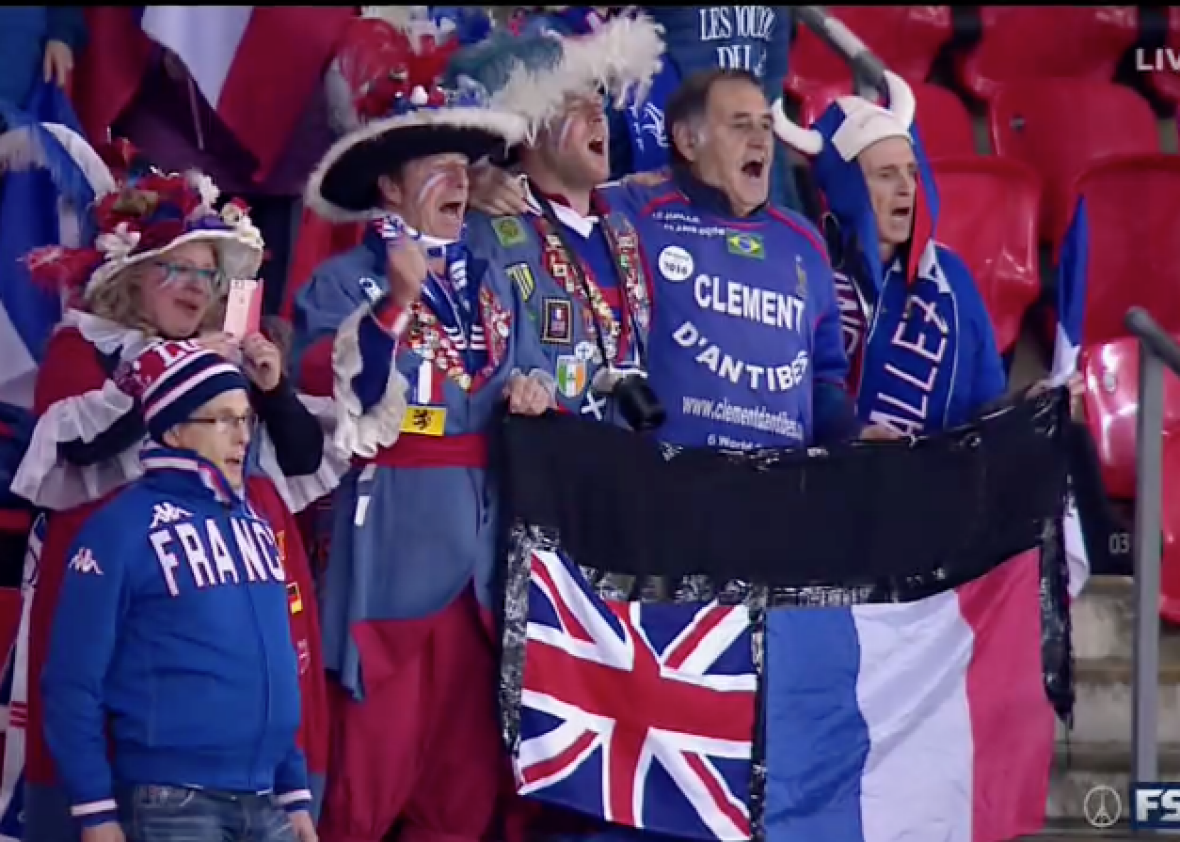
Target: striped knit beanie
[(174, 379)]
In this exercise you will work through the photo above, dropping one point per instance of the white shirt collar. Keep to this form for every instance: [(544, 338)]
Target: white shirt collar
[(569, 217)]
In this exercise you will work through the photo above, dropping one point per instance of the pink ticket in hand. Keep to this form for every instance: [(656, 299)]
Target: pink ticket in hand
[(243, 309)]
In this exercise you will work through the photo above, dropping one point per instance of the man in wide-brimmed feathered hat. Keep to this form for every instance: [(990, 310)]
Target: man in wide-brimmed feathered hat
[(422, 347), (578, 270)]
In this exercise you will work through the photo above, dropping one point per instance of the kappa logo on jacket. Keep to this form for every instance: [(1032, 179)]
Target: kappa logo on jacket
[(85, 562), (166, 513)]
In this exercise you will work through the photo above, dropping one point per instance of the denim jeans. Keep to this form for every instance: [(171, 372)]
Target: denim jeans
[(177, 814)]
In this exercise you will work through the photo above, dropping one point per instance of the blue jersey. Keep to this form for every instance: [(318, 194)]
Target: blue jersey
[(172, 626), (745, 331)]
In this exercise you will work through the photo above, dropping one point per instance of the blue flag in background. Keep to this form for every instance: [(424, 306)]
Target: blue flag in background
[(44, 188)]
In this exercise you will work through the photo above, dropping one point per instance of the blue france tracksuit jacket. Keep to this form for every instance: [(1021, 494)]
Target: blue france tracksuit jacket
[(173, 629), (744, 347), (919, 339)]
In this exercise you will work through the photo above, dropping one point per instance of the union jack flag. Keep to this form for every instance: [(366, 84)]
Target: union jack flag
[(641, 714)]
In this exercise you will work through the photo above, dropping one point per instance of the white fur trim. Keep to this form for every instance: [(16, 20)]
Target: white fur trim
[(622, 57), (300, 492), (239, 255), (47, 480), (510, 127), (357, 432), (864, 124), (107, 336)]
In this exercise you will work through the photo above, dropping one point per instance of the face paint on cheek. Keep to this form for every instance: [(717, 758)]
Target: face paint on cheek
[(430, 186), (563, 136)]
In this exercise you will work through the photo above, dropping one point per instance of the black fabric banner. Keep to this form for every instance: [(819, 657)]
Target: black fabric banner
[(907, 516)]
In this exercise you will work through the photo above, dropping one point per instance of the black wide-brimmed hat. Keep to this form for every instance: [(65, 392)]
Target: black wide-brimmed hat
[(343, 187), (397, 113)]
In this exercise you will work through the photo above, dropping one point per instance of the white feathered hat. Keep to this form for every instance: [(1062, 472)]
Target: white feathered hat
[(532, 74)]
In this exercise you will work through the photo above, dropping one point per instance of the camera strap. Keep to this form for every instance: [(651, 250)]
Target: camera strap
[(628, 324)]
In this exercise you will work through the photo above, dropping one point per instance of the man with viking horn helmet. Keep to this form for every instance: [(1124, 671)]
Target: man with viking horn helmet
[(922, 352), (577, 267), (423, 346), (917, 333)]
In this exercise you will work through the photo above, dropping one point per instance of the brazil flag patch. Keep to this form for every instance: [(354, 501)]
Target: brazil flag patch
[(746, 245)]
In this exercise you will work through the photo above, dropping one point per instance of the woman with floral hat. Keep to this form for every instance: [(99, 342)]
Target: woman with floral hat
[(158, 268)]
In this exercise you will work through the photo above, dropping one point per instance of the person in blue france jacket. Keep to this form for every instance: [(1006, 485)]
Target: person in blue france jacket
[(578, 271), (753, 38), (916, 331), (745, 348), (424, 347), (172, 629)]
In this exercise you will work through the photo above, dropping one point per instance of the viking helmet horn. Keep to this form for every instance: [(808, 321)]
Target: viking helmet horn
[(810, 142), (901, 99), (807, 141)]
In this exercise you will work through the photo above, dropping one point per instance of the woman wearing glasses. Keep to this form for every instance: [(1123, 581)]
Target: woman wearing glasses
[(158, 268)]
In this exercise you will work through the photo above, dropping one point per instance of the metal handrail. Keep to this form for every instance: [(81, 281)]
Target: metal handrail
[(1156, 350)]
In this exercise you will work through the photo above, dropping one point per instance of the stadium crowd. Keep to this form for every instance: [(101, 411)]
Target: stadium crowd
[(261, 516)]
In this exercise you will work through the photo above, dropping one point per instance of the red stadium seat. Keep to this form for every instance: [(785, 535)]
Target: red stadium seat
[(905, 38), (942, 118), (944, 122), (1042, 42), (1111, 373), (1133, 250), (1166, 79), (818, 97), (988, 215), (1061, 126)]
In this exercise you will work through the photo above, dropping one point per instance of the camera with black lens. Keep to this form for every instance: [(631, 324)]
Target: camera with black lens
[(633, 395)]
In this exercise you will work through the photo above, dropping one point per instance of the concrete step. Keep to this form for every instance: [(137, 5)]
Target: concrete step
[(1081, 766), (1102, 711), (1104, 622)]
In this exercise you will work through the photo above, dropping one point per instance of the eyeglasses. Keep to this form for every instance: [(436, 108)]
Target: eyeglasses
[(175, 273), (226, 424)]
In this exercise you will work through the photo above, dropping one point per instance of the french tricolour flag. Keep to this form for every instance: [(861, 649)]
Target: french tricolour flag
[(255, 65), (905, 721)]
